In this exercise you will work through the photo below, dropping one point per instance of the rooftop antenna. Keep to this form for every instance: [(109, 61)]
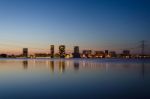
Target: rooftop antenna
[(142, 47)]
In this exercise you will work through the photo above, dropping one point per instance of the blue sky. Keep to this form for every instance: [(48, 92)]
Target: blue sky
[(91, 24)]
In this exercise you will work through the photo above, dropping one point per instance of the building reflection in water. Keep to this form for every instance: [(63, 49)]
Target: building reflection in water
[(143, 68), (61, 66), (52, 66), (25, 64), (76, 65)]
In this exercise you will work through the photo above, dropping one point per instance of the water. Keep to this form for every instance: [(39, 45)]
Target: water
[(74, 78)]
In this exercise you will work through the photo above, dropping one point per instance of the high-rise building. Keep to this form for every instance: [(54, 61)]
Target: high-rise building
[(76, 49), (25, 52), (52, 51), (76, 53), (62, 51), (106, 52)]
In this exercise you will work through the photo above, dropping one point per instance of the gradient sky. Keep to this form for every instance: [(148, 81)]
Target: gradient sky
[(90, 24)]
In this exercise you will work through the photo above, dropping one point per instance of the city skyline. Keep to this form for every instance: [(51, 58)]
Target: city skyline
[(79, 54), (141, 48), (75, 49), (90, 24)]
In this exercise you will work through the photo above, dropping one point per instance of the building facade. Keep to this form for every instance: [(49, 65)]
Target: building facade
[(86, 53), (62, 51), (52, 51), (76, 53), (25, 52)]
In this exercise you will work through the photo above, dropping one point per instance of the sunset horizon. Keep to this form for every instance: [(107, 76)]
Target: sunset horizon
[(74, 49), (97, 25)]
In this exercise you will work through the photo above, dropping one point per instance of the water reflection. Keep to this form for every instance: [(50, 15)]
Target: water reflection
[(76, 65), (61, 66), (94, 78), (143, 68), (51, 66), (25, 64)]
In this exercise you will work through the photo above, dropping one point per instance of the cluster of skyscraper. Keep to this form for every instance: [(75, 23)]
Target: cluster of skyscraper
[(77, 54), (62, 52)]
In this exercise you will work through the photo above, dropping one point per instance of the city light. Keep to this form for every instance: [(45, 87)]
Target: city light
[(76, 54)]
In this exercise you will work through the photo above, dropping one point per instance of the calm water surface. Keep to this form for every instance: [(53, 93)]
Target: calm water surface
[(74, 79)]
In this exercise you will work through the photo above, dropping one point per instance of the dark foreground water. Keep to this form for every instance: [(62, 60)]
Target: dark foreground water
[(74, 79)]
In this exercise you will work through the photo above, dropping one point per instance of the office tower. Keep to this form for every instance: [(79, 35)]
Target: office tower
[(62, 51), (52, 51), (76, 49), (76, 53), (25, 52), (106, 52)]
